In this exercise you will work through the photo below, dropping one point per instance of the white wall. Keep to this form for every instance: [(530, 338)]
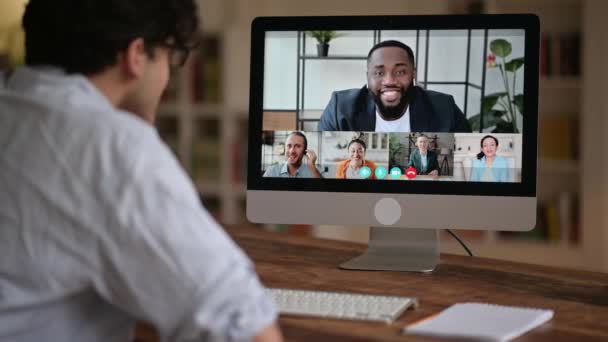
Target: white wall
[(280, 63)]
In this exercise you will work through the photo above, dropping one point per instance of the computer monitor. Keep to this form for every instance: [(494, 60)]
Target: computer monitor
[(408, 124)]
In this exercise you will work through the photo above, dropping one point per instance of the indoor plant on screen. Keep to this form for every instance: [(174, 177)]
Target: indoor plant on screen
[(323, 38), (501, 109)]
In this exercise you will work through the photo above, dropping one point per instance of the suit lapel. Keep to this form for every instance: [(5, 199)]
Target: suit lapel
[(367, 117), (421, 114)]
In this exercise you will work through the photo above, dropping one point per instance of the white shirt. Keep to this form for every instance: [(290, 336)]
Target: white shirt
[(100, 226), (400, 125), (353, 173)]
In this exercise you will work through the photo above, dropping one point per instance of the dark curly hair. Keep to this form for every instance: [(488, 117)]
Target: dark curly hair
[(85, 36)]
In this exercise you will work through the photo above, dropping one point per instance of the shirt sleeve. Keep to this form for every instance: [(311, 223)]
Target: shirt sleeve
[(168, 262)]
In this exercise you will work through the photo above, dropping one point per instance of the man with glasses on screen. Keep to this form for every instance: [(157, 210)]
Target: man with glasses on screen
[(99, 224), (390, 102)]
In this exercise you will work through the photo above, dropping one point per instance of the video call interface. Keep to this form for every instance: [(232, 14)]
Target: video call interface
[(430, 105)]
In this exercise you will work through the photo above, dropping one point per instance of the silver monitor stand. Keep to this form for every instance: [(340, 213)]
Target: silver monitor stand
[(398, 249)]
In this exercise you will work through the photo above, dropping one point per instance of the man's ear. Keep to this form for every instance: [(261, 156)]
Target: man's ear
[(133, 60), (414, 75)]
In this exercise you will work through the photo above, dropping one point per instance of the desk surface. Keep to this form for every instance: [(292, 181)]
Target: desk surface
[(579, 299)]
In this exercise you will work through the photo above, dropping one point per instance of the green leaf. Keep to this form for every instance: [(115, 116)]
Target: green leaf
[(324, 37), (501, 47), (489, 101), (514, 64), (490, 119), (518, 100), (503, 126), (474, 122)]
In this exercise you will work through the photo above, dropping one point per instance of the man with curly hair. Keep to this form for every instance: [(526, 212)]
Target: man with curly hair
[(99, 225)]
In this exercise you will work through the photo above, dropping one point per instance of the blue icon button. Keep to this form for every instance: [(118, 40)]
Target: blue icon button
[(380, 172), (395, 172), (365, 172)]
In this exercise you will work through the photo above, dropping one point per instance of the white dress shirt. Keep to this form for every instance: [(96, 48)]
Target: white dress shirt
[(100, 226)]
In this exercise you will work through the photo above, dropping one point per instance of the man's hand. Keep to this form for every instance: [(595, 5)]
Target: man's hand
[(311, 158), (311, 161), (269, 334)]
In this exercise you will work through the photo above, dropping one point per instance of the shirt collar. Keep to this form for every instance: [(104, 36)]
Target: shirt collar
[(48, 81), (285, 169)]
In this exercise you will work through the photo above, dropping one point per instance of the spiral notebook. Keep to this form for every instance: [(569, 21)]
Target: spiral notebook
[(481, 322)]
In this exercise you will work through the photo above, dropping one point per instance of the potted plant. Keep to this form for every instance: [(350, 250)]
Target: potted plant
[(501, 110), (323, 38)]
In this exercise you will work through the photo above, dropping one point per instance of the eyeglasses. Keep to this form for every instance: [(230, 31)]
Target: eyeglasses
[(178, 56)]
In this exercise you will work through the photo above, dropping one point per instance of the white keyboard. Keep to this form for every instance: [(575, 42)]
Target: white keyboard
[(340, 305)]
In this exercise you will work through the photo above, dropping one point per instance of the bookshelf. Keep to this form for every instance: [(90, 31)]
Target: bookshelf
[(206, 134), (567, 97), (571, 182)]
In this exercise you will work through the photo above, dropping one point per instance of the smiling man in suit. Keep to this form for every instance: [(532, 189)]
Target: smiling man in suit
[(390, 102)]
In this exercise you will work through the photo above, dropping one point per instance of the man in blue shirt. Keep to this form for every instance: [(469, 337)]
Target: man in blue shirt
[(296, 148)]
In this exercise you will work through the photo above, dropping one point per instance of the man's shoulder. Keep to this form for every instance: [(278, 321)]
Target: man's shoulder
[(76, 129), (275, 169), (352, 93), (435, 95)]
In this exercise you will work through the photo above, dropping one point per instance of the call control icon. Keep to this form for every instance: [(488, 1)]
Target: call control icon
[(410, 172), (380, 172), (365, 172), (395, 173)]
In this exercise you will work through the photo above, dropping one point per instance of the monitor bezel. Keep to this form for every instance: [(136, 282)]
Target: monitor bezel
[(528, 22)]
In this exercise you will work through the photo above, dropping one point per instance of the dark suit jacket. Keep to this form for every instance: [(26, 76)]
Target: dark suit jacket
[(430, 111), (431, 162)]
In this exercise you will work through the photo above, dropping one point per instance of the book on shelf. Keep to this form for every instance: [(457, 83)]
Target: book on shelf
[(554, 232), (239, 153), (558, 138), (560, 54), (545, 55), (557, 221), (570, 54), (468, 234), (170, 94), (168, 132), (293, 229), (538, 233), (562, 224), (206, 72), (206, 160), (213, 204)]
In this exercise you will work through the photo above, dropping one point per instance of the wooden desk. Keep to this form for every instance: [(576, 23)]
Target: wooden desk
[(580, 299)]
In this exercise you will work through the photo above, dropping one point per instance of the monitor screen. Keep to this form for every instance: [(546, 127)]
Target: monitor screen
[(427, 105)]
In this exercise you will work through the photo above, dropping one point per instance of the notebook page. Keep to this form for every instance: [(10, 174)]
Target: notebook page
[(480, 321)]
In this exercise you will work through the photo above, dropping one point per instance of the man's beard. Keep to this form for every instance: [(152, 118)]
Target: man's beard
[(394, 112)]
